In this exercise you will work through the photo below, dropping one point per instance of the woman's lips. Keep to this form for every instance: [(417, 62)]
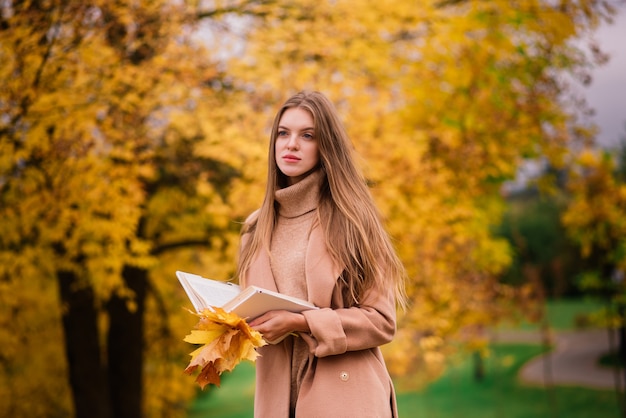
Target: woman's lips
[(291, 158)]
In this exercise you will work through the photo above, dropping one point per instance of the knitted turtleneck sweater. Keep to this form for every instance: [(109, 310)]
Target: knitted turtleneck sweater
[(296, 214)]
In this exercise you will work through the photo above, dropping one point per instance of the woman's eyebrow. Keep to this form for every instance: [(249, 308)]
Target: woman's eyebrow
[(308, 128)]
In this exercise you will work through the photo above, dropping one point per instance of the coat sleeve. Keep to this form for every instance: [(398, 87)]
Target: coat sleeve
[(335, 331)]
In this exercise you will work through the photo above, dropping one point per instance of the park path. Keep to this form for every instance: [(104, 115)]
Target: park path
[(573, 362)]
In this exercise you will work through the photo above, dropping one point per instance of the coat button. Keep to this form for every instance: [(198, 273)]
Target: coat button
[(344, 376)]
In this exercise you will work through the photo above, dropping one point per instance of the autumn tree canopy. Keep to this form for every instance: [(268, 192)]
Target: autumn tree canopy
[(133, 143), (444, 100)]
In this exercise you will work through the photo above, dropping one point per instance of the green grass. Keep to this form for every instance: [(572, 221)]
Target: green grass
[(456, 394), (563, 314), (233, 399), (570, 313), (500, 394)]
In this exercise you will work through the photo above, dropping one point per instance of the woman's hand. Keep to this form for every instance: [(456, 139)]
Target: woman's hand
[(275, 324)]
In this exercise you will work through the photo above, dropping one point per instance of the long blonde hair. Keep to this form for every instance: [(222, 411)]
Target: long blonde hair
[(353, 231)]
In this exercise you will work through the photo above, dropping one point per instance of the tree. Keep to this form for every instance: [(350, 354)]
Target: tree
[(595, 220), (541, 248), (444, 100), (104, 109), (129, 148)]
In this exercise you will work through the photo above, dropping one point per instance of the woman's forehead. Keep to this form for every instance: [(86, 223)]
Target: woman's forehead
[(296, 117)]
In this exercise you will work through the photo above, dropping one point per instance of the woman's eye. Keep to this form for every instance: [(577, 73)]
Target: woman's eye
[(307, 136), (282, 133)]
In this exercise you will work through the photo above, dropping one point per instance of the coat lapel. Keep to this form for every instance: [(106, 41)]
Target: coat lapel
[(261, 272), (321, 272)]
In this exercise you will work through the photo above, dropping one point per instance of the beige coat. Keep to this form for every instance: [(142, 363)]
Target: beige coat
[(346, 376)]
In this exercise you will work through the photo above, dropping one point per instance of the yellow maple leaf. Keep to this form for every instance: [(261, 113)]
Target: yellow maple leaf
[(226, 340)]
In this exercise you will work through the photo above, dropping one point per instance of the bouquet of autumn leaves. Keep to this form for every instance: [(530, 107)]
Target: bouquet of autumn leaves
[(226, 339)]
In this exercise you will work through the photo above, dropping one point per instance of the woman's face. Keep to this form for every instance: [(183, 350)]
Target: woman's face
[(296, 149)]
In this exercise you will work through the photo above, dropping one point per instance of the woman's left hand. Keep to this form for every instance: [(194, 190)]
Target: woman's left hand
[(273, 325)]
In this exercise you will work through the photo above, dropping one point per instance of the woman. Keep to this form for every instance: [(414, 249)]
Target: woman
[(318, 237)]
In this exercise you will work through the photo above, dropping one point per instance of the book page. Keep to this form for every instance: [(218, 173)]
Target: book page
[(204, 293)]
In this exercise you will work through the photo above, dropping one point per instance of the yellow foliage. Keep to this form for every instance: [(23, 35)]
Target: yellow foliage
[(226, 339), (120, 139), (596, 215), (443, 103)]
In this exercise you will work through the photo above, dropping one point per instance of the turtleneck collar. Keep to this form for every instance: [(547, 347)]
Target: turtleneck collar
[(299, 198)]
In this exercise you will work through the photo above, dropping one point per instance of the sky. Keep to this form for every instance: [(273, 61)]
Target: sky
[(607, 92)]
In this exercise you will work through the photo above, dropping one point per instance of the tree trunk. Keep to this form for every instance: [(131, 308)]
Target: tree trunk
[(126, 345), (479, 366), (82, 347), (621, 354)]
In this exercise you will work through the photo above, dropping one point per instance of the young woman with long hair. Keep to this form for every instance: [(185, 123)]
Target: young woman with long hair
[(318, 236)]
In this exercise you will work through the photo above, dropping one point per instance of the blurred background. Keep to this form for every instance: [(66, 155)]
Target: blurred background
[(133, 143)]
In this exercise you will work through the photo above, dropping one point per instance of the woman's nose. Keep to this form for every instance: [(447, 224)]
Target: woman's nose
[(293, 142)]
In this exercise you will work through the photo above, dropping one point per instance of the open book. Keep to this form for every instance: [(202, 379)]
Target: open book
[(249, 303)]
